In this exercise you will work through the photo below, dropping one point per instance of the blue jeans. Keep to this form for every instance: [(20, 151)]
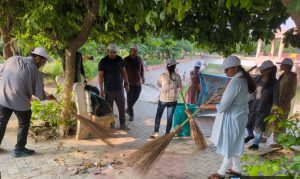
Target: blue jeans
[(257, 136), (170, 111)]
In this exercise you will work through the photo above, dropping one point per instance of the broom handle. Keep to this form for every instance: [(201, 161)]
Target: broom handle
[(210, 100)]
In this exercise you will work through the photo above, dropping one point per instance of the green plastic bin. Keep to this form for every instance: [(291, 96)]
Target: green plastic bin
[(180, 116)]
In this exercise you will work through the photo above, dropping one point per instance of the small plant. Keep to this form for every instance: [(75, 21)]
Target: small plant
[(50, 111), (281, 165), (47, 111)]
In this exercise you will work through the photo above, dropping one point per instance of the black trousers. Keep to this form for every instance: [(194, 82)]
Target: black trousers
[(24, 123), (119, 98), (132, 96)]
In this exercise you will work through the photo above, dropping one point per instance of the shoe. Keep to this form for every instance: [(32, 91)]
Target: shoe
[(154, 135), (22, 152), (234, 173), (248, 138), (253, 147), (124, 127), (216, 176), (131, 118)]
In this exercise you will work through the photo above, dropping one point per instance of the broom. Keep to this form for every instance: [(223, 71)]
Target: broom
[(196, 132), (96, 129), (145, 157)]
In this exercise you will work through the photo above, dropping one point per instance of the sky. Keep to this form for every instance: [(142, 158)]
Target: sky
[(288, 24)]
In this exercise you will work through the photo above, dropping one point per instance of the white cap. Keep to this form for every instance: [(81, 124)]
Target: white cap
[(171, 62), (40, 51), (112, 47), (286, 61), (231, 61), (266, 64), (134, 46), (198, 63)]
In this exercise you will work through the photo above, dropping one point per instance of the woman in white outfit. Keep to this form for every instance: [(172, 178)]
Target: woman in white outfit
[(230, 124)]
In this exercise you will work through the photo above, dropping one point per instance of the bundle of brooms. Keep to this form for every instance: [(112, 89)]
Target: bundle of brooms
[(144, 158), (96, 129)]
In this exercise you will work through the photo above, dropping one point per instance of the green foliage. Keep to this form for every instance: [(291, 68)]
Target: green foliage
[(282, 166), (49, 111), (291, 37), (91, 69), (53, 68), (222, 26), (294, 6)]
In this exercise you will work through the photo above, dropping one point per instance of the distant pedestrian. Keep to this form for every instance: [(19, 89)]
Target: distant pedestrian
[(170, 84), (135, 71), (261, 102), (21, 79), (192, 94), (112, 79)]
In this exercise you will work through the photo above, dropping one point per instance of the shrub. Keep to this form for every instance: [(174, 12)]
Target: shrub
[(53, 68), (282, 165)]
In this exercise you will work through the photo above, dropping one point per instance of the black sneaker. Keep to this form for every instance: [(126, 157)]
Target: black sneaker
[(248, 138), (131, 118), (253, 147), (22, 152), (124, 127)]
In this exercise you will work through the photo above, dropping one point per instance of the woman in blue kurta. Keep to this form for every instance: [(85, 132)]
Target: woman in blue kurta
[(229, 128)]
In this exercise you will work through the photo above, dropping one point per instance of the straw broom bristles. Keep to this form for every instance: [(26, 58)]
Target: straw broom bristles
[(96, 129), (196, 132), (144, 158), (197, 136)]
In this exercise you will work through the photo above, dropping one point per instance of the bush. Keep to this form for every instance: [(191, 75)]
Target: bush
[(91, 69), (53, 68), (282, 165)]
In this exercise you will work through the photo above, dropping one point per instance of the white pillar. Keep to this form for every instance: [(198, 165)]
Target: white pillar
[(258, 50), (280, 49), (272, 49)]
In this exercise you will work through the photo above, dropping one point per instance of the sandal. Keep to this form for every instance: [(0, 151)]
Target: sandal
[(234, 173), (216, 176)]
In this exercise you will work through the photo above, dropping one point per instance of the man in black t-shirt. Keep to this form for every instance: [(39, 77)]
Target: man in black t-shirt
[(112, 75)]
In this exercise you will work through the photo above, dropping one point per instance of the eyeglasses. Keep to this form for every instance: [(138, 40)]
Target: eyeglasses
[(112, 52)]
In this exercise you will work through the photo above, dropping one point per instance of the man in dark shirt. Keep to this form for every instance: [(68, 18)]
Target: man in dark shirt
[(135, 70), (112, 73)]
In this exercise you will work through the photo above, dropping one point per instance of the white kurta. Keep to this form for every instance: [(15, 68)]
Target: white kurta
[(229, 131)]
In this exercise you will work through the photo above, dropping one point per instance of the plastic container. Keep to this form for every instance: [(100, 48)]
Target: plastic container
[(180, 116)]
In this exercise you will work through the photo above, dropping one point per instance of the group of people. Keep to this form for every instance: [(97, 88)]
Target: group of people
[(21, 79), (236, 112), (115, 75)]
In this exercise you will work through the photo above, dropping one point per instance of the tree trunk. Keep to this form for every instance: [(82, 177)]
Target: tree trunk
[(7, 50), (70, 53)]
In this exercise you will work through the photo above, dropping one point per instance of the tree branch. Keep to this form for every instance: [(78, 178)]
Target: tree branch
[(90, 17)]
